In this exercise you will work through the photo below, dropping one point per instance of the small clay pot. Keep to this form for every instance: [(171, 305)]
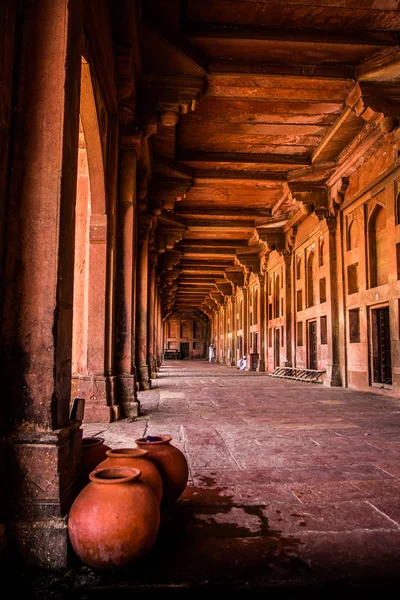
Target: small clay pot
[(171, 463), (138, 459), (115, 519)]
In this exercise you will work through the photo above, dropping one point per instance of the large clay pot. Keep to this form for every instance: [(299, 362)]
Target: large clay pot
[(115, 519), (138, 459), (93, 452), (171, 463)]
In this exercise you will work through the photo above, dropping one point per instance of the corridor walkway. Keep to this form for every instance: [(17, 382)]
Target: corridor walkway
[(294, 488)]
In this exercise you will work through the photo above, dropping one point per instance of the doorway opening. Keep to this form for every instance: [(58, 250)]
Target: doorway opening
[(277, 349), (381, 353), (184, 349), (312, 345)]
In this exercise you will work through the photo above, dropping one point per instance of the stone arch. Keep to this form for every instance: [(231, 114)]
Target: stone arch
[(310, 278), (378, 248), (90, 351)]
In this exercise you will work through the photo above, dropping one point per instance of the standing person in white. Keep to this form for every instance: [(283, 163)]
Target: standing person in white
[(211, 353)]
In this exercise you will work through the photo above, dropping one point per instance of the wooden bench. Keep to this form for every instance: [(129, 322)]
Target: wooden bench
[(172, 354)]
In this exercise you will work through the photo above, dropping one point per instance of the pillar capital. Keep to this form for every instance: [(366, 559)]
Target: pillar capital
[(131, 140), (145, 222)]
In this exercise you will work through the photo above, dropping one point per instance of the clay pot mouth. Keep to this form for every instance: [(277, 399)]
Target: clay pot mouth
[(154, 440), (92, 441), (114, 475), (126, 453)]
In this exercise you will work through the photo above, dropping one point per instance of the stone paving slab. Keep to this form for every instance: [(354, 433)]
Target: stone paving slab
[(293, 488)]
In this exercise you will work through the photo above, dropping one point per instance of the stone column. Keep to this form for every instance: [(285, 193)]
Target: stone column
[(42, 447), (126, 262), (261, 322), (289, 308), (159, 325), (234, 330), (245, 321), (334, 378), (151, 360), (143, 374)]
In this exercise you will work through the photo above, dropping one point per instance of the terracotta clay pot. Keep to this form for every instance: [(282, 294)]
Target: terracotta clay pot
[(171, 463), (138, 459), (114, 520), (93, 452)]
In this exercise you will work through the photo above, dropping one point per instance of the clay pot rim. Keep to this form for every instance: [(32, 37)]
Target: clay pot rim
[(109, 475), (92, 441), (165, 439), (127, 453)]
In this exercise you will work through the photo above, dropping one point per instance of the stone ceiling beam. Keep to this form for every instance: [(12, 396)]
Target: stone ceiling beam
[(198, 30)]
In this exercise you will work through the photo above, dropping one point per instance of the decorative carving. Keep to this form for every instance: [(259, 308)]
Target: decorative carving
[(169, 118)]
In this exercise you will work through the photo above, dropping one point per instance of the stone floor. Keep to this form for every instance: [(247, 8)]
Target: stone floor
[(294, 490)]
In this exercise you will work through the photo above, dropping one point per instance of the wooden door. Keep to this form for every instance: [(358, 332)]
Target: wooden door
[(382, 358), (312, 345)]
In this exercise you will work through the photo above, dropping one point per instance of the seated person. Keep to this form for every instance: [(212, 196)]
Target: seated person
[(242, 363)]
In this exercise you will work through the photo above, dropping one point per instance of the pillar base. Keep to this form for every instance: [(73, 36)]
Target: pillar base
[(127, 396), (333, 377), (153, 369), (144, 378), (100, 397), (42, 470)]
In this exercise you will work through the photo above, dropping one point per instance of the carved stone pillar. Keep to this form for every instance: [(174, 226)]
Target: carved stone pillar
[(142, 301), (94, 384), (289, 308), (234, 330), (126, 265), (261, 322), (40, 446), (151, 361), (160, 329), (245, 321), (334, 378)]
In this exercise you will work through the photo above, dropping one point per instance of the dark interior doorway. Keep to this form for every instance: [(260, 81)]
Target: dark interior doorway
[(381, 355), (184, 349), (277, 348), (312, 345)]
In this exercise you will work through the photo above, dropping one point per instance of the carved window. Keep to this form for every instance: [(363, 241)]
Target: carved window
[(277, 297), (354, 326), (322, 290), (321, 253), (185, 330), (352, 279), (397, 201), (298, 268), (378, 249), (173, 329), (255, 306), (310, 279), (323, 330), (300, 334), (352, 235), (198, 330), (299, 300)]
